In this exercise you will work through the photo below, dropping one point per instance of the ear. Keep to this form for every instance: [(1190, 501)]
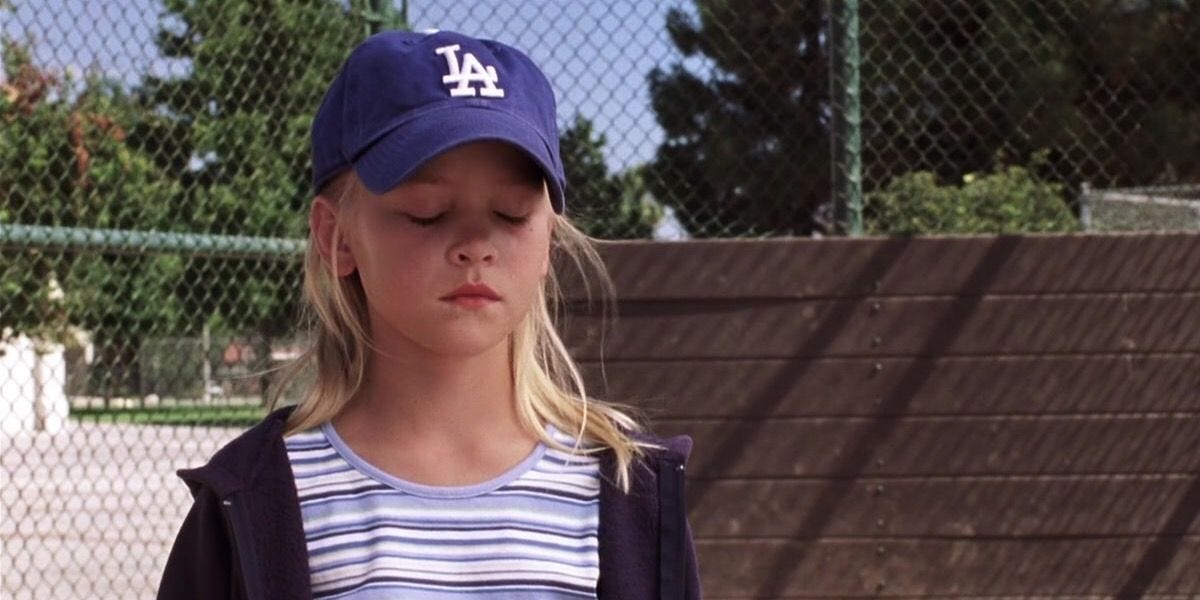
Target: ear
[(322, 225)]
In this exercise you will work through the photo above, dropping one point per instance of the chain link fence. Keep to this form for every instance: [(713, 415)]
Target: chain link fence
[(153, 173), (1046, 98)]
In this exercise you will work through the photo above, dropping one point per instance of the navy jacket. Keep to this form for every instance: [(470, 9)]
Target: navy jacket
[(244, 539)]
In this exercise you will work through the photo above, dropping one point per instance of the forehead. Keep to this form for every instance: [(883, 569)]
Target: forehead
[(492, 157)]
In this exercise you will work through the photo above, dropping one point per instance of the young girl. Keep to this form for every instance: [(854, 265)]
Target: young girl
[(446, 448)]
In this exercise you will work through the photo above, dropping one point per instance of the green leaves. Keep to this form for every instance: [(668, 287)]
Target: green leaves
[(1107, 87), (747, 148), (239, 121), (1008, 200), (66, 160), (222, 149), (603, 205)]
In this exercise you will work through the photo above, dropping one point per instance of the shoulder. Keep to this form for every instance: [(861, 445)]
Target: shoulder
[(676, 448), (237, 464)]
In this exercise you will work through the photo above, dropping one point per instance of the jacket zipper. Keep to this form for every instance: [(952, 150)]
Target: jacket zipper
[(671, 525), (241, 554)]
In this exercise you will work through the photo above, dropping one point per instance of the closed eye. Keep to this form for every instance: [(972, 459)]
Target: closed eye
[(514, 220), (426, 222), (430, 221)]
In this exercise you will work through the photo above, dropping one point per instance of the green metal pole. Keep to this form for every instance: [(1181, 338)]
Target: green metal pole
[(846, 131), (127, 241)]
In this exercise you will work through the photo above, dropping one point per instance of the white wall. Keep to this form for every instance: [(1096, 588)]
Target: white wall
[(33, 377)]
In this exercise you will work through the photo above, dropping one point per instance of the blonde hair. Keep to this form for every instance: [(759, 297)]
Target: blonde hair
[(548, 385)]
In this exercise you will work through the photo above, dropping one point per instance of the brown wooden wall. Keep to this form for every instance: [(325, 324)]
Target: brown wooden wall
[(930, 417)]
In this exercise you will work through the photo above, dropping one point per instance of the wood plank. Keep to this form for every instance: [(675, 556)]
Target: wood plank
[(858, 387), (941, 446), (947, 568), (951, 508), (854, 267), (924, 327), (1191, 596)]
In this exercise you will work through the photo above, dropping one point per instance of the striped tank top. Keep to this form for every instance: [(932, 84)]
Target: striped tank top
[(529, 533)]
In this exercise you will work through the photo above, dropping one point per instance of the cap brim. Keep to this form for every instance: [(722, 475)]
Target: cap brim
[(404, 149)]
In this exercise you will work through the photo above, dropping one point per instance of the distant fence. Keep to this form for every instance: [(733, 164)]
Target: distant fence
[(926, 417)]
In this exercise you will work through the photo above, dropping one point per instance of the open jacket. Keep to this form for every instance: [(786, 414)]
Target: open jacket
[(244, 539)]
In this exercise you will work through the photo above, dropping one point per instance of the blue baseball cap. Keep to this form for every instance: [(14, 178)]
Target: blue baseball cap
[(402, 98)]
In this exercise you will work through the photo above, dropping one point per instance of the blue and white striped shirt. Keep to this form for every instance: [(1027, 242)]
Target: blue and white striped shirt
[(529, 533)]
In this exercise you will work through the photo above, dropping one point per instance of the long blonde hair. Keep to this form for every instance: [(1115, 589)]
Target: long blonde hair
[(548, 385)]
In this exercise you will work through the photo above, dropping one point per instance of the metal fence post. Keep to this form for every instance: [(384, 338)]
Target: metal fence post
[(846, 124)]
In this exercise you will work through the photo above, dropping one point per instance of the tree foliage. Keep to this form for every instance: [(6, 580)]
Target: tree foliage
[(236, 129), (603, 205), (1109, 90), (1007, 200), (747, 144), (66, 160)]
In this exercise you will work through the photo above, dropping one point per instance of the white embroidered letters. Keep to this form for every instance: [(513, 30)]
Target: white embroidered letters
[(468, 72)]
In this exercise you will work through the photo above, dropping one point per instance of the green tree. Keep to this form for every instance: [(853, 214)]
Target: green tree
[(31, 149), (66, 160), (236, 129), (601, 204), (747, 144), (1110, 89)]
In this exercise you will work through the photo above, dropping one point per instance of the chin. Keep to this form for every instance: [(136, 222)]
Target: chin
[(466, 344)]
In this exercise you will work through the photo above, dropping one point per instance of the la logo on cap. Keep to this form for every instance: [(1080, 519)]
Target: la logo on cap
[(470, 71)]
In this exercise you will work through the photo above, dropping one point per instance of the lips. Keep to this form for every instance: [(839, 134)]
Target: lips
[(473, 290)]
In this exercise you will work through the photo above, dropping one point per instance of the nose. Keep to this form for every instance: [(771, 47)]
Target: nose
[(475, 249)]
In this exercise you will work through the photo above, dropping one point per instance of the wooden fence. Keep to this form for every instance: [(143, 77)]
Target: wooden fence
[(927, 417)]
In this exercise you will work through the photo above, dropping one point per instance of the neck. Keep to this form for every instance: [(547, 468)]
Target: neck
[(446, 399)]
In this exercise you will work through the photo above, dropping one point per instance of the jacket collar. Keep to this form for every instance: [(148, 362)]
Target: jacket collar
[(237, 465)]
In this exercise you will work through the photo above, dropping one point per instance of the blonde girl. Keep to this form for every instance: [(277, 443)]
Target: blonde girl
[(445, 447)]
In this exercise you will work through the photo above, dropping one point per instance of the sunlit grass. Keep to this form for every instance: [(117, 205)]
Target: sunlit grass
[(226, 416)]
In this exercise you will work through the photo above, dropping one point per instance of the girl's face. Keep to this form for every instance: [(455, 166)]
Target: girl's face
[(476, 214)]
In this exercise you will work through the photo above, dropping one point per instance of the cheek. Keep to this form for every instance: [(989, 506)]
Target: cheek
[(534, 249), (391, 264)]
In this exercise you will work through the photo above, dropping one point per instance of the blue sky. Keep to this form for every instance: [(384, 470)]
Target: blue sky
[(597, 54)]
